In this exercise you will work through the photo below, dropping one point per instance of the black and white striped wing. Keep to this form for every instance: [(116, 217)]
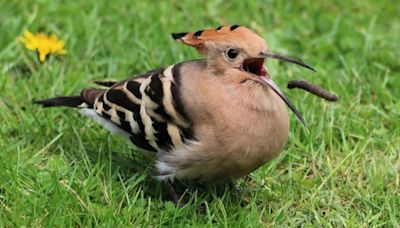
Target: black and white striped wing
[(149, 109)]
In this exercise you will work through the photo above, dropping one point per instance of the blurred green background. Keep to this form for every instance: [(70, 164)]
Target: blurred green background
[(60, 169)]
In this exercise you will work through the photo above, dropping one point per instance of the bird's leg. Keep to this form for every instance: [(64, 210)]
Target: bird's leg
[(170, 188), (239, 193)]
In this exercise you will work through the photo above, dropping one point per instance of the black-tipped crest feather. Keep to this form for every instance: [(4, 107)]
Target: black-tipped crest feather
[(178, 35)]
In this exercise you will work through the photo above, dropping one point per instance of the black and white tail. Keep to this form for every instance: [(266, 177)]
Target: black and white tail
[(85, 103), (85, 100)]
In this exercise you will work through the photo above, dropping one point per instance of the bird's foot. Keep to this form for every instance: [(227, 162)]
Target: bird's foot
[(171, 191)]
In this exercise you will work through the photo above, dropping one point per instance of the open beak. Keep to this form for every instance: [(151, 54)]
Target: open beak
[(255, 66)]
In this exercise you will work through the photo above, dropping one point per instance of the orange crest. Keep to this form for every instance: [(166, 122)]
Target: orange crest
[(222, 33)]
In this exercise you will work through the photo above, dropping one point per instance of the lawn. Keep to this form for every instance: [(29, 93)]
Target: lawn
[(61, 169)]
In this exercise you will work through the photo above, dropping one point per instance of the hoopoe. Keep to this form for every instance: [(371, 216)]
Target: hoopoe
[(208, 120)]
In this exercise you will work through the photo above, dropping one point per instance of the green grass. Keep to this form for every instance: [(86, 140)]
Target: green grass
[(60, 169)]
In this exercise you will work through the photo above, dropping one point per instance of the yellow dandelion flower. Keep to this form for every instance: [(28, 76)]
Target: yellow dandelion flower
[(43, 44)]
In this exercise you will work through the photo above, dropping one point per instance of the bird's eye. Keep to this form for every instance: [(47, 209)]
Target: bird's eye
[(232, 53)]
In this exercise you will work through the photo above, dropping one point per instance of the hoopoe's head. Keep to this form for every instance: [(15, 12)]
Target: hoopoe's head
[(236, 50), (233, 47)]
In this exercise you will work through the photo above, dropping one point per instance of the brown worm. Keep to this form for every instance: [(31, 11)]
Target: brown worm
[(311, 88)]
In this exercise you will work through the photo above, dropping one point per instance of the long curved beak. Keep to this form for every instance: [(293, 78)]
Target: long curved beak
[(266, 80), (267, 54), (255, 66)]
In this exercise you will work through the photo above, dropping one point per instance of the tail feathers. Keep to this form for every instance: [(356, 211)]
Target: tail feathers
[(72, 101), (85, 100)]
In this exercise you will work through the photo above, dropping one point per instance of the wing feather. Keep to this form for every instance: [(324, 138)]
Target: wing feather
[(146, 108)]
